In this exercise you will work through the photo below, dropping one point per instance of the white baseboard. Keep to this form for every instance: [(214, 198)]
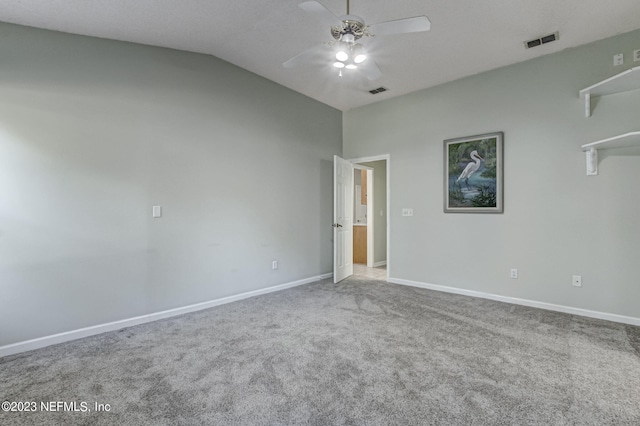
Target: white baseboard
[(524, 302), (54, 339), (379, 264)]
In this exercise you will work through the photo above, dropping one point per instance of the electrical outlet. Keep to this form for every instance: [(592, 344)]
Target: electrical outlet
[(618, 59), (514, 273), (274, 264), (407, 212), (576, 280), (636, 55)]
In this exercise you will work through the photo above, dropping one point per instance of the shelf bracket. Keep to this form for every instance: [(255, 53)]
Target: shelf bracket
[(587, 105), (592, 161)]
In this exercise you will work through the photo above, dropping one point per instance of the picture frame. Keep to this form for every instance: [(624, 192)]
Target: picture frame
[(473, 174)]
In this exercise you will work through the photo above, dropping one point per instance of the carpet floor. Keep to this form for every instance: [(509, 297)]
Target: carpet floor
[(362, 352)]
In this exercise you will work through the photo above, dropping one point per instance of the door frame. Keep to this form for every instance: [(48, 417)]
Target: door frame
[(387, 158)]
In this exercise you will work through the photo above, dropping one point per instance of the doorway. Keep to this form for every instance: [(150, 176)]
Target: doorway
[(374, 198), (363, 223)]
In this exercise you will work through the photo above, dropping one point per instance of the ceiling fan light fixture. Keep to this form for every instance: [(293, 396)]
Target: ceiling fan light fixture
[(346, 30), (343, 51), (358, 53), (348, 38)]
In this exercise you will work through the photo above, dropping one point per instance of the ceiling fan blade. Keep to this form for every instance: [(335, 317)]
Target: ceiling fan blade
[(307, 56), (401, 26), (322, 13), (370, 69)]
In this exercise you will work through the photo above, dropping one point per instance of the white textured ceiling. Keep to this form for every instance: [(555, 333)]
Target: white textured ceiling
[(466, 37)]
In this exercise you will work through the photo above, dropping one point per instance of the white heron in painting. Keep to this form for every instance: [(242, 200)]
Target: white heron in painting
[(471, 168)]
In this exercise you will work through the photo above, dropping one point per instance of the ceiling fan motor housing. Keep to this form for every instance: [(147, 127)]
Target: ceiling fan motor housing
[(352, 25)]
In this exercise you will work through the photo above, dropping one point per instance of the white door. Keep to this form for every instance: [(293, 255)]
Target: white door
[(342, 219)]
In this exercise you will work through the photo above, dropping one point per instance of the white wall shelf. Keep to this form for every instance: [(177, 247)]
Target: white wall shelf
[(620, 141), (623, 82)]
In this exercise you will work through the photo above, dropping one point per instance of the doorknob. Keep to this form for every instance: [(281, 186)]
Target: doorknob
[(337, 225)]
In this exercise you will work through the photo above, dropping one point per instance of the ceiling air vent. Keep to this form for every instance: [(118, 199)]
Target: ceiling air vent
[(378, 90), (542, 40)]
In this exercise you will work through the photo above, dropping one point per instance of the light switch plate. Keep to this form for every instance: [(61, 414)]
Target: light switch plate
[(618, 59), (157, 211)]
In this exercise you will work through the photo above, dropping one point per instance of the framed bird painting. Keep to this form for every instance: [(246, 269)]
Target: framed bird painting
[(473, 172)]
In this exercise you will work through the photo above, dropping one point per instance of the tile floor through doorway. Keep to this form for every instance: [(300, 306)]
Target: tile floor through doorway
[(361, 270)]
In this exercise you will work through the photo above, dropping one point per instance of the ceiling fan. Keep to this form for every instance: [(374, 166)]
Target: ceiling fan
[(344, 50)]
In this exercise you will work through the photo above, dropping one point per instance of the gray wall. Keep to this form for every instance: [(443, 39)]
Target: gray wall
[(379, 205), (93, 133), (557, 221)]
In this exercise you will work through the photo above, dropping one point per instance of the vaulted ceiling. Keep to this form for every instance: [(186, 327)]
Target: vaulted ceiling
[(467, 36)]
